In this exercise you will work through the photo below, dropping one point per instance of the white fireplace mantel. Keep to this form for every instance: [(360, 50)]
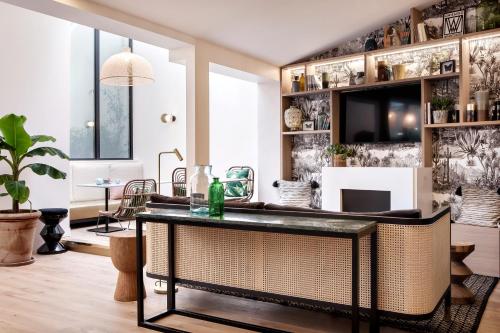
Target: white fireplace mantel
[(410, 187)]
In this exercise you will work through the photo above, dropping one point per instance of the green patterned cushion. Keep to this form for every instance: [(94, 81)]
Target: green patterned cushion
[(236, 189)]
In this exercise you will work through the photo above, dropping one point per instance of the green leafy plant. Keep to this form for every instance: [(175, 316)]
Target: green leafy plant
[(18, 146), (442, 103), (343, 151)]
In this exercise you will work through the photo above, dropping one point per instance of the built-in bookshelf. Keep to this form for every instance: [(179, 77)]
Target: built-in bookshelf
[(454, 48)]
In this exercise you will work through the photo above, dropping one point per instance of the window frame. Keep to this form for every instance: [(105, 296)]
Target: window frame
[(97, 120)]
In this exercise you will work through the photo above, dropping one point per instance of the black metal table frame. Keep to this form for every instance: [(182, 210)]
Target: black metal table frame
[(171, 279), (106, 229)]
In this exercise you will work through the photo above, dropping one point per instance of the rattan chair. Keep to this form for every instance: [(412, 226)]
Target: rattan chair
[(179, 185), (249, 183), (135, 195)]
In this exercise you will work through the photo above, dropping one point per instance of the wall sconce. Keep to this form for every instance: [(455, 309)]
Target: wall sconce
[(167, 118), (90, 124)]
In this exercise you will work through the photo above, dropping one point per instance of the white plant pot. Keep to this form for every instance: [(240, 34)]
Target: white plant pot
[(440, 116)]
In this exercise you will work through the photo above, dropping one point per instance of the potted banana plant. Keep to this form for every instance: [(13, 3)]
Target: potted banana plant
[(17, 226)]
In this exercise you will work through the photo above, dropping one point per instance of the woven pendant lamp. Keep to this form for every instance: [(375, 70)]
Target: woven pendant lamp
[(126, 69)]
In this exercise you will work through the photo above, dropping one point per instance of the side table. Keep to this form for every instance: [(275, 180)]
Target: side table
[(52, 232), (460, 294)]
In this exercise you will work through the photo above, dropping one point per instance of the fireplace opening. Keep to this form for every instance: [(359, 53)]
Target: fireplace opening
[(365, 201)]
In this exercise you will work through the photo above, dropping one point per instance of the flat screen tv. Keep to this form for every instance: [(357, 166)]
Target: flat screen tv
[(389, 114)]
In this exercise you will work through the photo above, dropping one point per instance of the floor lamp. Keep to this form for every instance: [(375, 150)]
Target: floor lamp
[(179, 157), (161, 288)]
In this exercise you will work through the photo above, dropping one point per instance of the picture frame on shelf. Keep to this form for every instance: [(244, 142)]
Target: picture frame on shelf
[(392, 35), (308, 125), (453, 23), (447, 67)]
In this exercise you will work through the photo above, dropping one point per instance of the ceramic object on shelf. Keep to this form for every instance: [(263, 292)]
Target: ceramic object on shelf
[(440, 116), (293, 118), (360, 78), (482, 98), (383, 71), (325, 80), (199, 183), (399, 71)]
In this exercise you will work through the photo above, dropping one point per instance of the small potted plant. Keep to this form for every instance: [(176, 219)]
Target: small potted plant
[(339, 154), (441, 107), (17, 226)]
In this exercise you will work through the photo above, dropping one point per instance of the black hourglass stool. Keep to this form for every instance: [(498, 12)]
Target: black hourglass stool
[(52, 231)]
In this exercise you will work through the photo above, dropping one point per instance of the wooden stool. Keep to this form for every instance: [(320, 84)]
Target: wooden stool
[(460, 294), (123, 255)]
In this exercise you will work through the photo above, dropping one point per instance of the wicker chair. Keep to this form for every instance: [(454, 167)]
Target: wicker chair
[(249, 183), (135, 195), (179, 186)]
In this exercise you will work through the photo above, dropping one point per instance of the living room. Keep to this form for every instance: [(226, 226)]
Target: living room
[(206, 167)]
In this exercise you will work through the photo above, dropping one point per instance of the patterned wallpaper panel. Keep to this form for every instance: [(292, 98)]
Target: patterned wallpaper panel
[(462, 156)]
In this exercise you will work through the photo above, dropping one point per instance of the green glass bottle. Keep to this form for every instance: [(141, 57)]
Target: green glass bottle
[(216, 198)]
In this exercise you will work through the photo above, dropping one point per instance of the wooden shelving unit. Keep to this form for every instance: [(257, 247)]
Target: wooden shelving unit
[(367, 61), (307, 132)]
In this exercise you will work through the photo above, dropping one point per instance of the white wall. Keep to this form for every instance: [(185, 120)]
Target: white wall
[(268, 142), (233, 124), (34, 62), (166, 95)]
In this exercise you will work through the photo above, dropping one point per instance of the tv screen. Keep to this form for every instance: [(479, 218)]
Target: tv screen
[(390, 114)]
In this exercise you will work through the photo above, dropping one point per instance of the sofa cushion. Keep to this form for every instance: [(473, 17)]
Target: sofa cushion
[(297, 194), (404, 213), (125, 172), (158, 198), (480, 207), (90, 209), (236, 189), (86, 173)]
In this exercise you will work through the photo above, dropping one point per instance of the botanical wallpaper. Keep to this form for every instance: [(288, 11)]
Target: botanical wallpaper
[(308, 159), (462, 156)]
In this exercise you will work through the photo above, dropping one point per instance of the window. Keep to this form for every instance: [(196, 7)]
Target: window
[(101, 115)]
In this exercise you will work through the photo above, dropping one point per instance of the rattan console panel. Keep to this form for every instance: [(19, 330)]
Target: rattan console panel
[(413, 271)]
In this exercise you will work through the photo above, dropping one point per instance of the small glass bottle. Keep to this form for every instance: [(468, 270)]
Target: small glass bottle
[(199, 183), (302, 82), (295, 84), (216, 198)]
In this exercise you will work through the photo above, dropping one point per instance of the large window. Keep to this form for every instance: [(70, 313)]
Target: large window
[(101, 115)]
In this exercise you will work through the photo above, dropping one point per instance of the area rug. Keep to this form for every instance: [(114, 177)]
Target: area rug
[(464, 318)]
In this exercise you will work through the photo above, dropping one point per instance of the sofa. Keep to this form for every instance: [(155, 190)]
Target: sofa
[(86, 202), (413, 252)]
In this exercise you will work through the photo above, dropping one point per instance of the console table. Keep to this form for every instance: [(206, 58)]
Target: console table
[(265, 223)]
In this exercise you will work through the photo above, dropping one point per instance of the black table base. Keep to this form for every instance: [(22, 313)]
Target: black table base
[(171, 280)]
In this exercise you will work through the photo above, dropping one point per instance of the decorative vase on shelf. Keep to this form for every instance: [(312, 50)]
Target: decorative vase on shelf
[(482, 98), (399, 71), (440, 116), (216, 198), (293, 118), (199, 184), (339, 161), (360, 78)]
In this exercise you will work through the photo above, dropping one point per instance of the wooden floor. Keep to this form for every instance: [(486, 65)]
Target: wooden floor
[(73, 292)]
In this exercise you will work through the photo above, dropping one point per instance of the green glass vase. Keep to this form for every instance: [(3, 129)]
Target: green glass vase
[(216, 198)]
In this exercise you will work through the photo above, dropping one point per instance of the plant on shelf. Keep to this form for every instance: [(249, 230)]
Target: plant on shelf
[(340, 154), (17, 228), (441, 107)]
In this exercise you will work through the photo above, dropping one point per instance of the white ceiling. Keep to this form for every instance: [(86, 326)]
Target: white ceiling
[(276, 31)]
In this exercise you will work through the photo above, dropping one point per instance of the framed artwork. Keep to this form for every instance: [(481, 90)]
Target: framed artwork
[(308, 125), (453, 23), (446, 67)]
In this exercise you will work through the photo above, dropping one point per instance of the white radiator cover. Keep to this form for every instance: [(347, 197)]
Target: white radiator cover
[(410, 188)]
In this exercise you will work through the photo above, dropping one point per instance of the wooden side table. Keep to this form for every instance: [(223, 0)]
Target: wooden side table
[(123, 255), (460, 294)]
